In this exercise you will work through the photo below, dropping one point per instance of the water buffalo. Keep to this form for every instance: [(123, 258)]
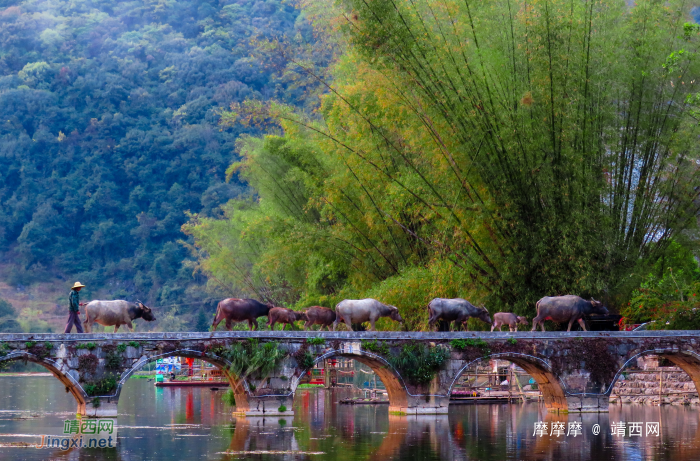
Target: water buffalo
[(284, 316), (506, 318), (457, 309), (116, 313), (238, 310), (317, 315), (363, 310), (567, 308)]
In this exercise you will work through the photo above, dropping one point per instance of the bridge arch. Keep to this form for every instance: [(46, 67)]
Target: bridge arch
[(553, 392), (686, 360), (71, 384), (239, 387), (390, 377)]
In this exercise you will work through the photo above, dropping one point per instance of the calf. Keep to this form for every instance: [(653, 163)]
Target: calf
[(239, 310), (284, 316), (458, 310), (364, 310), (506, 318), (567, 308), (116, 313), (317, 315)]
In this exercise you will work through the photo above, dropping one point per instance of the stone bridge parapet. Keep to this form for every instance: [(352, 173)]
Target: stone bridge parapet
[(575, 371)]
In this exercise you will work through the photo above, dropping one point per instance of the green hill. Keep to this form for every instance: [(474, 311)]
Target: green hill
[(109, 132)]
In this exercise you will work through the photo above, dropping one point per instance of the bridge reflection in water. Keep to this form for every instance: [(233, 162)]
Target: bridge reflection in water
[(194, 424)]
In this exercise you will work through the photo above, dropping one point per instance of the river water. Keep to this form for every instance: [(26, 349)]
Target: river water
[(194, 424)]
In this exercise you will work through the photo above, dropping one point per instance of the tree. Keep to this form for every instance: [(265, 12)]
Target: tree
[(498, 150)]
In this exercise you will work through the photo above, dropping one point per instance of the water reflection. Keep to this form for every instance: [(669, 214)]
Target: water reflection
[(194, 424)]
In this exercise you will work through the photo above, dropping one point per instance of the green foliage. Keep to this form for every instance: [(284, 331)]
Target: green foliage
[(89, 346), (6, 309), (418, 363), (113, 360), (104, 386), (229, 398), (135, 344), (669, 296), (253, 359), (30, 344), (378, 347), (316, 341), (512, 341), (463, 344), (121, 347), (309, 386), (466, 151), (305, 360), (203, 323), (282, 409), (4, 349), (110, 130)]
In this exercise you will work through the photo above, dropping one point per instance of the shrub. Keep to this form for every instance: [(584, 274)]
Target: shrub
[(282, 409), (229, 398), (104, 386), (113, 360), (375, 346), (418, 363), (250, 359), (305, 360), (88, 363), (316, 341)]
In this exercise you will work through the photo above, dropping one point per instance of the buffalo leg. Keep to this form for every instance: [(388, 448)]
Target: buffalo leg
[(583, 324), (250, 325), (571, 322), (116, 327), (130, 326), (348, 324), (228, 324)]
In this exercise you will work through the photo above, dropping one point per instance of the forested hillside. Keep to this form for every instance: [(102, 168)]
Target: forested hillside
[(109, 132)]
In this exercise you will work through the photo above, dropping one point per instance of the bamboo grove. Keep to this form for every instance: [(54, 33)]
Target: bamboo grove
[(499, 151)]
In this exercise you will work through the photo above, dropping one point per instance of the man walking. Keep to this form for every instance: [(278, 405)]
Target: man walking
[(74, 309)]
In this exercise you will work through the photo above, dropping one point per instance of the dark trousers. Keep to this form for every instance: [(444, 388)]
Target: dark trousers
[(74, 319)]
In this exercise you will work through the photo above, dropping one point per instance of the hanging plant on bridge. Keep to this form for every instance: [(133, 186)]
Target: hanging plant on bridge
[(250, 359), (418, 363)]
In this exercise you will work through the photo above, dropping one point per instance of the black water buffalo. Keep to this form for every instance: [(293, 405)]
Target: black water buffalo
[(569, 308), (319, 315), (238, 310), (284, 316), (116, 313), (457, 309)]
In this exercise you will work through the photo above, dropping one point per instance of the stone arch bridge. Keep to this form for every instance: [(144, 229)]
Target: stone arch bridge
[(575, 371)]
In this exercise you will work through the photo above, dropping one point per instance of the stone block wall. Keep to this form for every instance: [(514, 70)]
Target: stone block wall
[(641, 385)]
